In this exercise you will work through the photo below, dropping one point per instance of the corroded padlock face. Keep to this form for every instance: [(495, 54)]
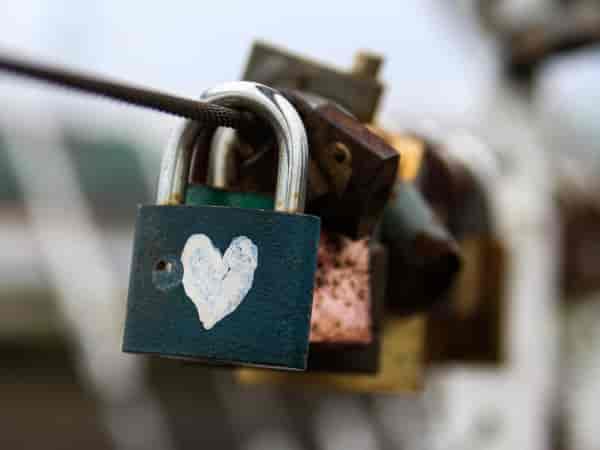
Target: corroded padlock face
[(222, 285)]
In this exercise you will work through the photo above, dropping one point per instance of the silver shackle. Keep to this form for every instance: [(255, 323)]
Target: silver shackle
[(221, 147), (273, 108)]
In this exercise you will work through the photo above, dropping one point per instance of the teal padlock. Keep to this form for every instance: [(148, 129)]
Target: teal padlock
[(222, 284)]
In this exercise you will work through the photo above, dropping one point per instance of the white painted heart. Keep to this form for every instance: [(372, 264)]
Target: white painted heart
[(217, 284)]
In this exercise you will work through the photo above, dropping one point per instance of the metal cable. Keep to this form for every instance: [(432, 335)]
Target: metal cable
[(209, 114)]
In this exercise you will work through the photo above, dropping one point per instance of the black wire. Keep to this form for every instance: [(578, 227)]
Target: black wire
[(209, 114)]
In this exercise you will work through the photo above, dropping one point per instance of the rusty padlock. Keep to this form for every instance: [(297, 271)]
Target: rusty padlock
[(348, 305), (251, 304)]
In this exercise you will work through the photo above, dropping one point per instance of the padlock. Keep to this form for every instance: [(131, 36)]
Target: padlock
[(349, 282), (356, 203), (251, 306)]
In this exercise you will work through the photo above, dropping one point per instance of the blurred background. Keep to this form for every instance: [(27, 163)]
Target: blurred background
[(74, 167)]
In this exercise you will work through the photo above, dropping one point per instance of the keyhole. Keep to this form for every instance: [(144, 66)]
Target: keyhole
[(167, 273), (163, 266), (341, 154)]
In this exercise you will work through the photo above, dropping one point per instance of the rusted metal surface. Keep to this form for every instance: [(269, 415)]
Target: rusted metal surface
[(374, 165), (339, 354), (341, 311)]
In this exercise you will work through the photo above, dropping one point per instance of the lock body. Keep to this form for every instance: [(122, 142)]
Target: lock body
[(270, 327)]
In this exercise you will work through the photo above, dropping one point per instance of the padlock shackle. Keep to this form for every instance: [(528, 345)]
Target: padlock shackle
[(220, 148), (269, 105)]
